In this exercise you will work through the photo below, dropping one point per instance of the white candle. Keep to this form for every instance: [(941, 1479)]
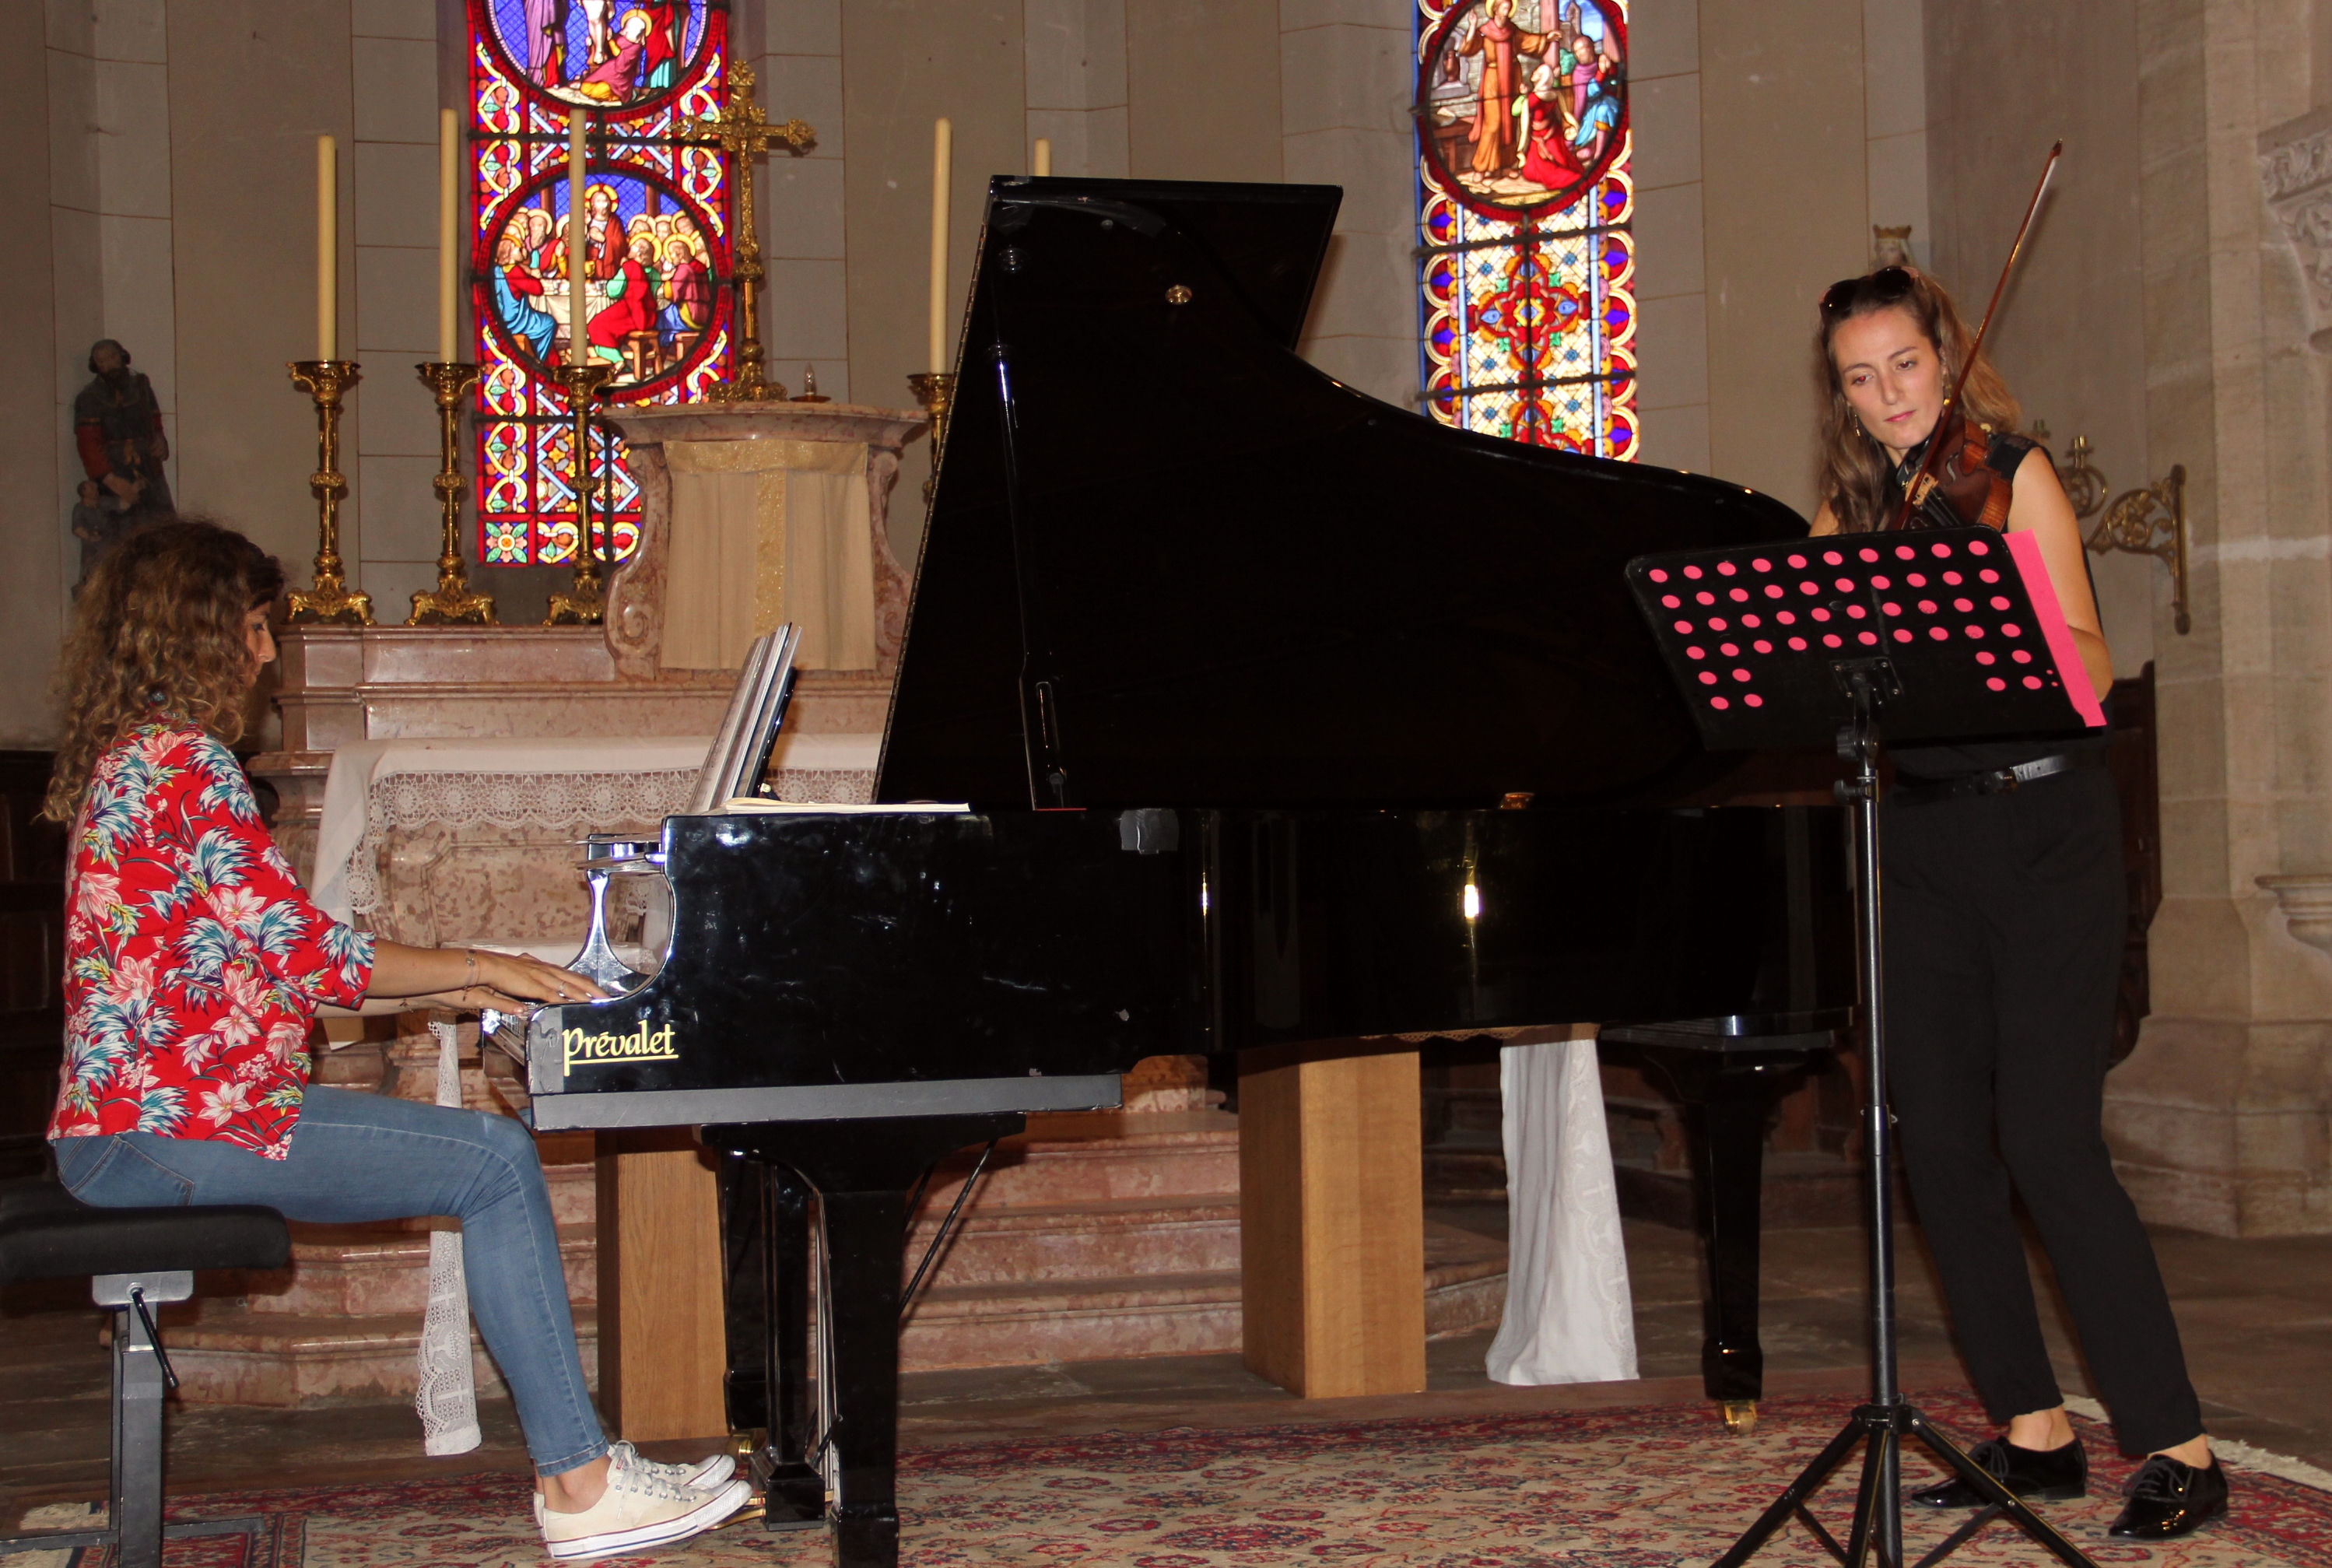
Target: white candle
[(1044, 157), (449, 234), (578, 240), (942, 162), (328, 251)]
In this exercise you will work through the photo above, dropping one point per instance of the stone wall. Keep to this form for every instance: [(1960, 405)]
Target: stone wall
[(36, 548), (2005, 79), (2169, 308), (1769, 140), (2220, 1117)]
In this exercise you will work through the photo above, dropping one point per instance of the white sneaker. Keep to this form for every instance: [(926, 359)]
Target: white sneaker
[(639, 1510), (704, 1475)]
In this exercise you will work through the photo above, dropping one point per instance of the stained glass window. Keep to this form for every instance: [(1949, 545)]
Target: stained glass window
[(1526, 260), (657, 307)]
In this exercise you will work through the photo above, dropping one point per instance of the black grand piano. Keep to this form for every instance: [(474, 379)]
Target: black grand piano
[(1281, 715)]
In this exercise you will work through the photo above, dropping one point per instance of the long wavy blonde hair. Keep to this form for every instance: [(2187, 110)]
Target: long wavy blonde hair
[(1856, 471), (157, 633)]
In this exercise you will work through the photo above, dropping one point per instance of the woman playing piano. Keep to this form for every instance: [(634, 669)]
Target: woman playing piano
[(195, 965), (2004, 933)]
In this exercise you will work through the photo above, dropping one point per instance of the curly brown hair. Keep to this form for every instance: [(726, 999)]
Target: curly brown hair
[(1856, 471), (157, 632)]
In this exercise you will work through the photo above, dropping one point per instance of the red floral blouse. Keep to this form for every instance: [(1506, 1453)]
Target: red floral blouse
[(194, 961)]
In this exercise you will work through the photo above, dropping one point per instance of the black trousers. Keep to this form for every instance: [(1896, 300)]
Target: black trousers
[(2004, 919)]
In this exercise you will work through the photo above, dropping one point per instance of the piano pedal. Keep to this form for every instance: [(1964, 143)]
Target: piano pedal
[(756, 1511), (1740, 1417), (783, 1519), (786, 1495)]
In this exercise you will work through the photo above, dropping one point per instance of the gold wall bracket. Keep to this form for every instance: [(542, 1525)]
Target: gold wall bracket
[(2151, 521), (329, 601), (451, 603)]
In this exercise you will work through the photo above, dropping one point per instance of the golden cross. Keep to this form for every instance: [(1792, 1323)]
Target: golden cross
[(745, 133)]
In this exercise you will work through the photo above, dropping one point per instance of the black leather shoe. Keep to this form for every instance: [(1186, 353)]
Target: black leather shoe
[(2168, 1500), (2047, 1475)]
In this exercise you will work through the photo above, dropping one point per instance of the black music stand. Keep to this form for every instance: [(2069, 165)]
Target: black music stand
[(1943, 633)]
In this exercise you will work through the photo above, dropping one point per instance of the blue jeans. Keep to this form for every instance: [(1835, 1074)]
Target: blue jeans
[(357, 1157)]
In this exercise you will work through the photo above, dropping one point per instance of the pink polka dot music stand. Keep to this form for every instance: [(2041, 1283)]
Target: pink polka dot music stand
[(1938, 635), (1959, 627)]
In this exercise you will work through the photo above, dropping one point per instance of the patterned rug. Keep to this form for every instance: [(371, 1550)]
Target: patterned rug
[(1658, 1487)]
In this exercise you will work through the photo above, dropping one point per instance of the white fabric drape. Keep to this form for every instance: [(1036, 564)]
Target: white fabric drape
[(829, 567), (716, 541), (446, 1397), (1570, 1317), (766, 532)]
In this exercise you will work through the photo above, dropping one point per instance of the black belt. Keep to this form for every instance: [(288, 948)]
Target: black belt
[(1911, 791)]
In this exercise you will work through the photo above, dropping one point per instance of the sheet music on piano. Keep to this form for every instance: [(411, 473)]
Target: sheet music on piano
[(741, 751)]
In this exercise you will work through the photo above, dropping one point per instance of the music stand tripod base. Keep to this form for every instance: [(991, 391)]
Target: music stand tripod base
[(1949, 633)]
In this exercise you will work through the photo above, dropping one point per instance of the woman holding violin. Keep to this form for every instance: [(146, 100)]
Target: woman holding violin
[(2004, 927)]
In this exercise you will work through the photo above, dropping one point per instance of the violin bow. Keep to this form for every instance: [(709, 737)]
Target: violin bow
[(1912, 491)]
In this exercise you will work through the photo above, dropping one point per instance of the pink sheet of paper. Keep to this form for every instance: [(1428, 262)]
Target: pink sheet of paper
[(2024, 549)]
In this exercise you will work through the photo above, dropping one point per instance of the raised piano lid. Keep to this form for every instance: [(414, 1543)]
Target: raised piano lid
[(1237, 580)]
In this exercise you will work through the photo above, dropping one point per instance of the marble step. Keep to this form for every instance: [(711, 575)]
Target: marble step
[(1034, 1323), (1105, 1239), (1101, 1156), (574, 1193), (366, 1271), (1473, 1175), (1005, 1325), (228, 1353), (1465, 1281), (1091, 1236)]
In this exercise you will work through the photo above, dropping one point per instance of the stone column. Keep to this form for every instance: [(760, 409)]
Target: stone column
[(2218, 1121)]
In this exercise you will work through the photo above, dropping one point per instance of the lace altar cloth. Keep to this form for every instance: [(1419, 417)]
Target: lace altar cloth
[(397, 810)]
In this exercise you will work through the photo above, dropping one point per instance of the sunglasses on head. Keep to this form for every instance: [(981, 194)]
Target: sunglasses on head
[(1883, 286)]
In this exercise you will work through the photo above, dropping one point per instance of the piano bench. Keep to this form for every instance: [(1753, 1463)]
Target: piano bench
[(135, 1259)]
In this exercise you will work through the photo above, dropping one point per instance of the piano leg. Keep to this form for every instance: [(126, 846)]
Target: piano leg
[(861, 1173), (765, 1222), (1727, 1097)]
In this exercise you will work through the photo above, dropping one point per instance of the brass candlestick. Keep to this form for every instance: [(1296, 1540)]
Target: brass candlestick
[(331, 601), (451, 603), (745, 133), (585, 602), (935, 390)]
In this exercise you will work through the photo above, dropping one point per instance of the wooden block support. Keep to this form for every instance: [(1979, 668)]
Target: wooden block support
[(663, 1347), (1332, 1220)]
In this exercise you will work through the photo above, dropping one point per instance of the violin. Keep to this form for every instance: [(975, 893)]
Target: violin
[(1955, 486), (1962, 489)]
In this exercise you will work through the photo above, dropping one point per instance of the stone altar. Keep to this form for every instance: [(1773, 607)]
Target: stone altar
[(344, 684)]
